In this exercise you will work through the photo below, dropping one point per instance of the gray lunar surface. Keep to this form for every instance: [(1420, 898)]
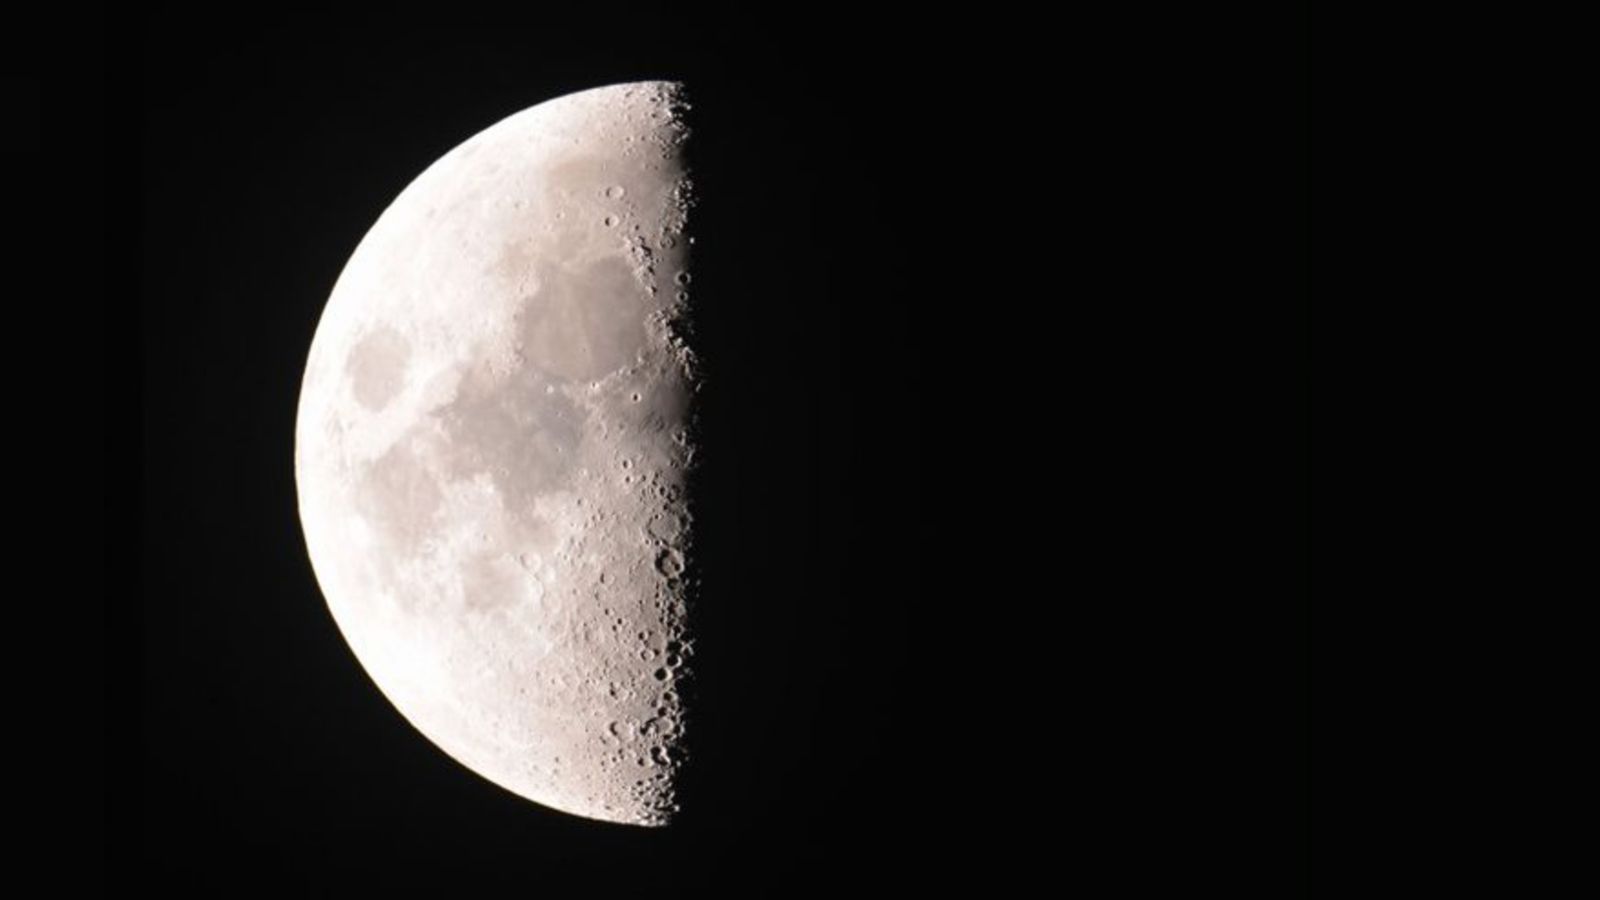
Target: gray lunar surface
[(491, 449)]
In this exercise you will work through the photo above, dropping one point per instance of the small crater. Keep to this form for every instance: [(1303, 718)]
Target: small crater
[(669, 562), (665, 527)]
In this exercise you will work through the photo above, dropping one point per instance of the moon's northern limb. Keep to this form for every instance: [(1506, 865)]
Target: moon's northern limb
[(492, 442)]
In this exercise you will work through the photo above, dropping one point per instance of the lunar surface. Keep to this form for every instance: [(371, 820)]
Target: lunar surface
[(493, 436)]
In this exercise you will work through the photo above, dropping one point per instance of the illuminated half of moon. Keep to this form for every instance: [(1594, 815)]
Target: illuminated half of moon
[(491, 448)]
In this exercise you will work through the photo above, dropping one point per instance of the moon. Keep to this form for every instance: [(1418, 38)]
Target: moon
[(494, 431)]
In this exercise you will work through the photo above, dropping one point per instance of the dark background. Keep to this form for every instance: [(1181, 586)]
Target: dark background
[(1005, 512), (256, 745)]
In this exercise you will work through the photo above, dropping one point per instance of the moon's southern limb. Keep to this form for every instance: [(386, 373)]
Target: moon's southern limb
[(491, 449)]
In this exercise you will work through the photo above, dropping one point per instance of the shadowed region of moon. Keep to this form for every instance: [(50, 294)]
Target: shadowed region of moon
[(493, 445)]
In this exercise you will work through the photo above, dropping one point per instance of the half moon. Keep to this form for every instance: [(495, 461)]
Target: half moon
[(491, 446)]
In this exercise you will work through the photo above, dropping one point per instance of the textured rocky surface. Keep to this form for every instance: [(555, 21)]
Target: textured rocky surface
[(493, 437)]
